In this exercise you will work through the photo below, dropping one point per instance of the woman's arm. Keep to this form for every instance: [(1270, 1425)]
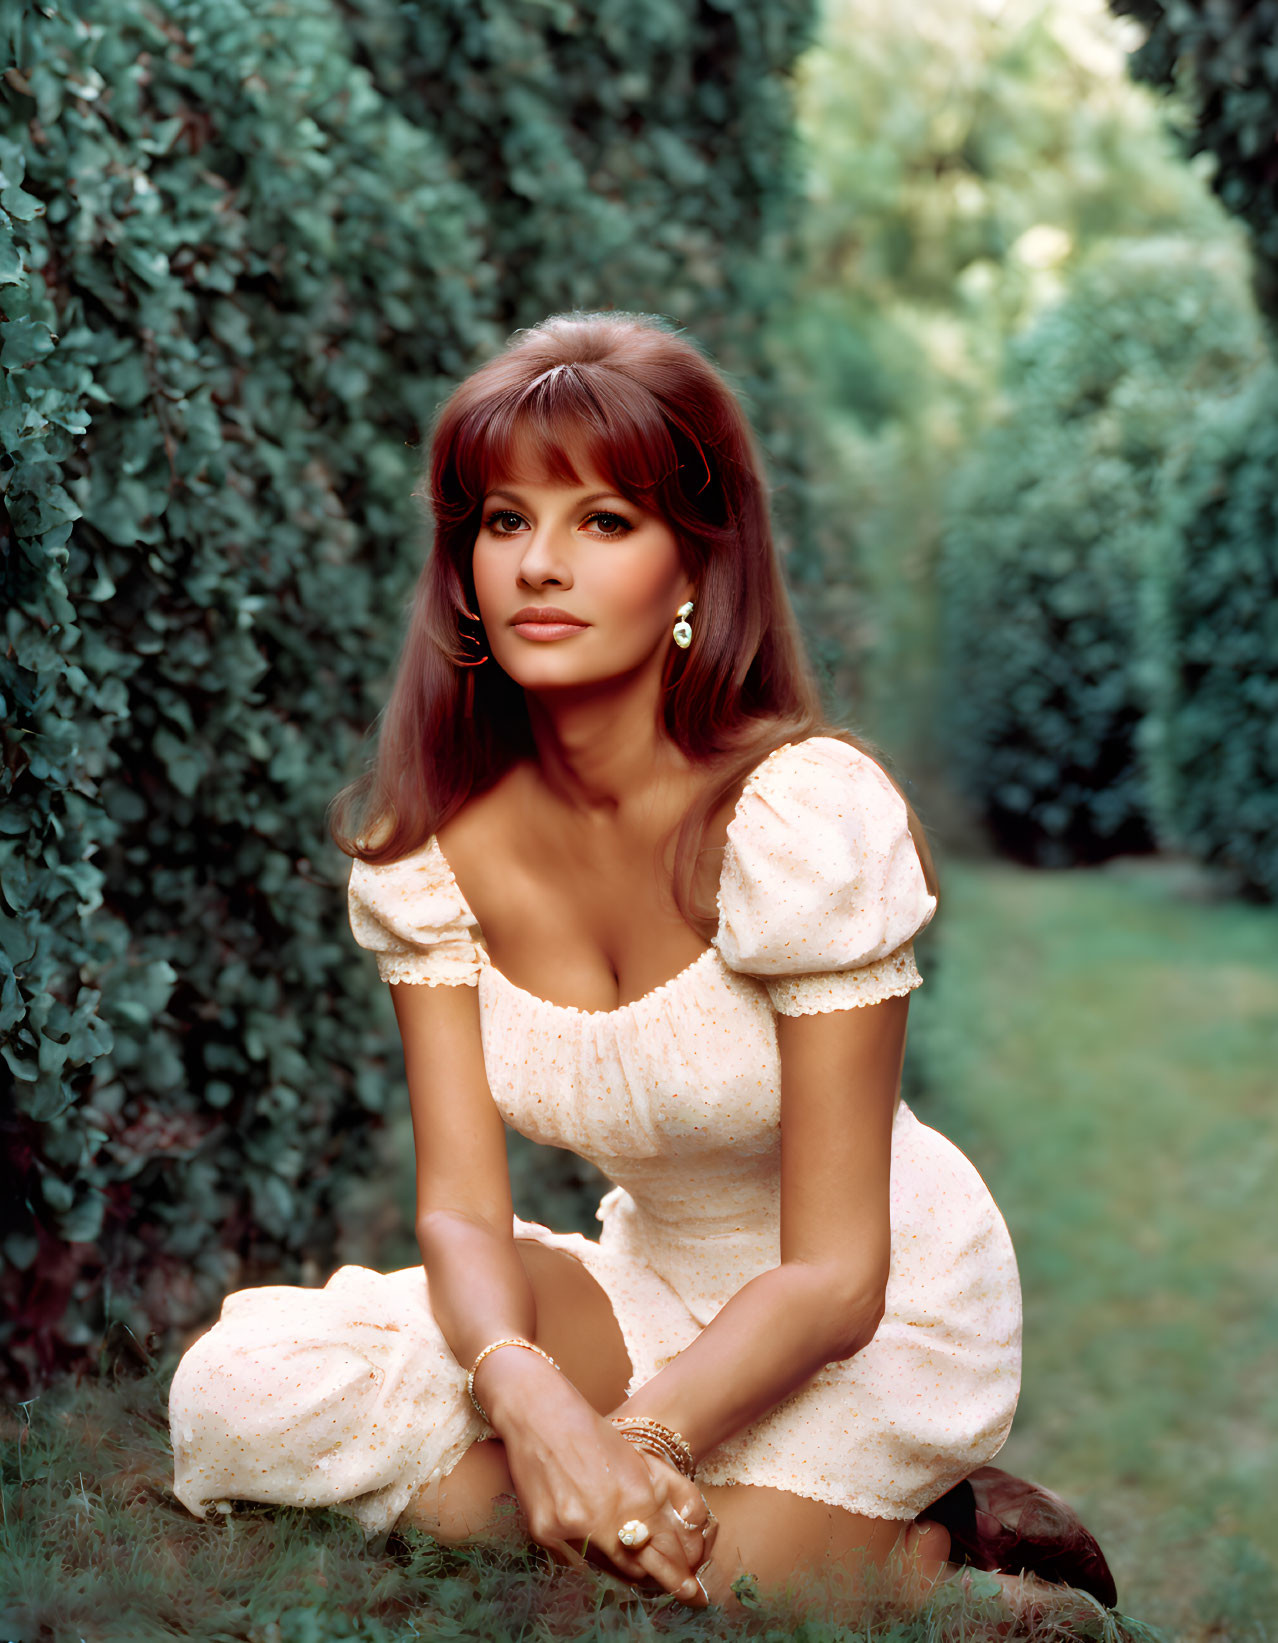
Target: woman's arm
[(840, 1076), (479, 1291), (575, 1475)]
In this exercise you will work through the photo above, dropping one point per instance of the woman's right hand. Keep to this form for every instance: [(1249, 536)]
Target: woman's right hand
[(578, 1480)]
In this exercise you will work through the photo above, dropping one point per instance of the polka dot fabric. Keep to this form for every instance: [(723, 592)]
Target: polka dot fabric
[(676, 1098)]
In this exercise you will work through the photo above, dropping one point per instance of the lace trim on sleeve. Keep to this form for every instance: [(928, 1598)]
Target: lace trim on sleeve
[(889, 977), (433, 969)]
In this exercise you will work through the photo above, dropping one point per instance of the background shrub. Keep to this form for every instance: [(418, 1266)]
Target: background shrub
[(1218, 55), (964, 163), (244, 253), (1211, 738), (1052, 520), (1214, 655)]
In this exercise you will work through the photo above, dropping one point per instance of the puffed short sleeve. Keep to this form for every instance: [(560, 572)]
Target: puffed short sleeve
[(412, 916), (822, 890)]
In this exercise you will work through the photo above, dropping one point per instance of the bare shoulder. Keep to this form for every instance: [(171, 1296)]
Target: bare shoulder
[(483, 810), (479, 838)]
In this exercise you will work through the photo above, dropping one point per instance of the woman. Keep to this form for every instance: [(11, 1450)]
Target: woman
[(634, 897)]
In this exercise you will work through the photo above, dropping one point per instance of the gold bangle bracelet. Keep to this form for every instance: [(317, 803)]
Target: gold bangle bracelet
[(651, 1446), (513, 1340), (663, 1451), (664, 1441)]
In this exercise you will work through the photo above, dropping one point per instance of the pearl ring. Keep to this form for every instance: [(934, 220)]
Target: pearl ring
[(634, 1534)]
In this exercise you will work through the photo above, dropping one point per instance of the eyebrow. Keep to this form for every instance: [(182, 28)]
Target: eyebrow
[(595, 496)]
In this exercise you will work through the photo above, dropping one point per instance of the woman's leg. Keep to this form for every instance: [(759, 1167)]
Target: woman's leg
[(767, 1533)]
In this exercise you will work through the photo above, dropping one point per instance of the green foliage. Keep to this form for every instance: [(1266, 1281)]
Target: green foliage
[(1214, 668), (1053, 520), (1211, 737), (964, 161), (625, 155), (1220, 58), (245, 250)]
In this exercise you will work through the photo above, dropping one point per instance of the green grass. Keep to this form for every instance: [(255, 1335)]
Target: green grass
[(96, 1549), (1102, 1045)]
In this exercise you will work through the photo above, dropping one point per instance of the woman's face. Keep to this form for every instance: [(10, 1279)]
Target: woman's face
[(584, 553)]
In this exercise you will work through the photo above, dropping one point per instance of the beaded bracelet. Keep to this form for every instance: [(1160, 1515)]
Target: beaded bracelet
[(662, 1441), (513, 1340)]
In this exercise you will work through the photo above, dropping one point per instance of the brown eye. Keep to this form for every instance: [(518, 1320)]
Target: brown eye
[(613, 519)]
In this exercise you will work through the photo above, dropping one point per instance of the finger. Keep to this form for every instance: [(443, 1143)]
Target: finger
[(692, 1544), (664, 1528), (686, 1532), (662, 1548), (697, 1527), (562, 1552), (665, 1560)]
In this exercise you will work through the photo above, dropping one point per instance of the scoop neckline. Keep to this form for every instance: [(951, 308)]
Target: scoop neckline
[(662, 987)]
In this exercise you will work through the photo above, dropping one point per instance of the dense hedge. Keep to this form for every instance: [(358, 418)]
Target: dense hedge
[(244, 251), (1219, 54), (1050, 523), (1211, 737)]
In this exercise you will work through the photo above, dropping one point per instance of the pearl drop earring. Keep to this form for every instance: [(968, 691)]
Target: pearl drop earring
[(682, 634)]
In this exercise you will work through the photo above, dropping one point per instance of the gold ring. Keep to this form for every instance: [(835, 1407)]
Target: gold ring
[(634, 1534)]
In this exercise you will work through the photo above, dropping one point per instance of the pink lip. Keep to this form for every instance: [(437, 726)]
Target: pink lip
[(542, 622)]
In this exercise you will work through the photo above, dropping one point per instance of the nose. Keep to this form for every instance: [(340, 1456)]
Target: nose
[(544, 561)]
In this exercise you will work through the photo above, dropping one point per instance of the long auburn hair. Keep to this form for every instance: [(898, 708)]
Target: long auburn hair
[(648, 411)]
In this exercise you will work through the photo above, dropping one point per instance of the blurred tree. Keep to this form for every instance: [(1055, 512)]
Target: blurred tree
[(1220, 56), (963, 161)]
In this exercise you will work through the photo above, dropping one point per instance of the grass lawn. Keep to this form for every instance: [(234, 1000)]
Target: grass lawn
[(1103, 1046)]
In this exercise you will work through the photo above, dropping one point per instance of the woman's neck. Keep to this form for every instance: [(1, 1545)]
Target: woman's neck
[(600, 750)]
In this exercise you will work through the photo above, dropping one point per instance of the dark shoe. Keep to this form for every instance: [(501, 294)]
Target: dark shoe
[(1008, 1525)]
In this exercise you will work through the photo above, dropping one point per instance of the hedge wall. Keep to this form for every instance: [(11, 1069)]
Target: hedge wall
[(245, 249), (1219, 54), (1050, 524), (1211, 606), (1211, 602)]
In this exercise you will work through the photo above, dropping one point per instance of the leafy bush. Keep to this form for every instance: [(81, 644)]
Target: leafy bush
[(1220, 57), (964, 161), (1211, 738), (1051, 522), (243, 255)]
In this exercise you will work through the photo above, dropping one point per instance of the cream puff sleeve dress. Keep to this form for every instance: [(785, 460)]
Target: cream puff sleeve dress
[(349, 1397)]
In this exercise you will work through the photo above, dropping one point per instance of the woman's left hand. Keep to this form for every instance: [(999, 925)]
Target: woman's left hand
[(687, 1512)]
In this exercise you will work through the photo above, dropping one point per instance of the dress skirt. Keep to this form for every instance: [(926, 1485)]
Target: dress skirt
[(349, 1397)]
